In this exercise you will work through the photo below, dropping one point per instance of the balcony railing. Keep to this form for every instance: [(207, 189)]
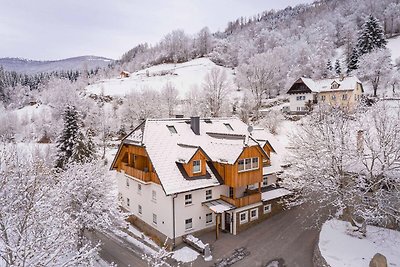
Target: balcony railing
[(243, 201), (138, 174)]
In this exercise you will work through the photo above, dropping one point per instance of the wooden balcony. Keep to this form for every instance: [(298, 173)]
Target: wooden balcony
[(144, 176), (243, 201)]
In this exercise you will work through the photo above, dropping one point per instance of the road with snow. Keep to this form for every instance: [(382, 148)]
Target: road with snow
[(114, 250)]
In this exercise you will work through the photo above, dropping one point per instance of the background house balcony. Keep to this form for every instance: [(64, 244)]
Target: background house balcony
[(142, 175), (244, 200)]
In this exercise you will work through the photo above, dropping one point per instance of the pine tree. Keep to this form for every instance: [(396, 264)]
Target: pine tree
[(338, 69), (371, 36), (352, 62), (72, 145), (329, 65), (66, 142)]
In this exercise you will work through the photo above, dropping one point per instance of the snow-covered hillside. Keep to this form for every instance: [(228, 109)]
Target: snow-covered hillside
[(184, 76), (394, 46)]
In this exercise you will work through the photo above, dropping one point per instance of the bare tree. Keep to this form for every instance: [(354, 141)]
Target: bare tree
[(169, 95), (216, 88)]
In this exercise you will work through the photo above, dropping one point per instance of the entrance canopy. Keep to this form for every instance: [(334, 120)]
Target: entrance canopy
[(219, 206)]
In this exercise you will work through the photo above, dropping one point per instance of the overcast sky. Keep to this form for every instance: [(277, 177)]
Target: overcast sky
[(55, 29)]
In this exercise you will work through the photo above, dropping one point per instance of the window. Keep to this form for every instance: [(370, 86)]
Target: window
[(344, 97), (241, 165), (265, 181), (128, 202), (208, 194), (196, 166), (323, 98), (254, 163), (154, 195), (209, 218), (253, 214), (248, 164), (127, 182), (172, 129), (243, 217), (188, 199), (231, 192), (140, 209), (267, 208), (333, 97), (188, 224), (228, 126), (301, 97), (154, 218), (335, 85), (139, 188)]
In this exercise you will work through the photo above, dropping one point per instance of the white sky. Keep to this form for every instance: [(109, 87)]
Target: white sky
[(55, 29)]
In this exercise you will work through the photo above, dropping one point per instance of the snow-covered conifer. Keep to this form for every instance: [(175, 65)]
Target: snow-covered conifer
[(371, 36)]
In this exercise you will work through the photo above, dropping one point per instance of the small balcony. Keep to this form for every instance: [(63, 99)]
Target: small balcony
[(144, 176), (248, 199)]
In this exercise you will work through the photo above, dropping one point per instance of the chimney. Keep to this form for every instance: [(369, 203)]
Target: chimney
[(195, 125)]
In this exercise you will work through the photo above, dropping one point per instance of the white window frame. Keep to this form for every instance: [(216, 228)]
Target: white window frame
[(252, 218), (128, 204), (140, 210), (208, 196), (344, 97), (127, 182), (139, 189), (189, 200), (154, 218), (208, 215), (267, 208), (246, 219), (154, 195), (193, 166), (188, 225), (251, 164)]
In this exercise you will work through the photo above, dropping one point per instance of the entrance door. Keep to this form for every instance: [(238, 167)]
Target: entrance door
[(227, 222)]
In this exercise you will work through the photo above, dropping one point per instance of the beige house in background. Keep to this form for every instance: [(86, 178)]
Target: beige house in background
[(343, 92)]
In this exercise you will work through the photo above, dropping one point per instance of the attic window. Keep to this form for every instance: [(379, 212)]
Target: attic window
[(228, 126), (172, 129), (335, 85)]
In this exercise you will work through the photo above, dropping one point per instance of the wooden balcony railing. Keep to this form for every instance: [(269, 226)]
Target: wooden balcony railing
[(138, 174), (243, 201)]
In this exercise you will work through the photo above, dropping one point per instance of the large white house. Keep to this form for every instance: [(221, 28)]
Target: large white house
[(188, 175), (344, 92)]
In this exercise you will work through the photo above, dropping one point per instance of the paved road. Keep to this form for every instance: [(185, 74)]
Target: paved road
[(286, 235), (117, 251)]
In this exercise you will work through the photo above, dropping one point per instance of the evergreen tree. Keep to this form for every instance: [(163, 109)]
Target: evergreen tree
[(329, 65), (352, 62), (66, 142), (72, 145), (338, 69), (371, 36)]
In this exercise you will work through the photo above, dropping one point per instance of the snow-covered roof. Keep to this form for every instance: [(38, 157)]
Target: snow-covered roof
[(220, 142), (275, 193), (325, 85), (219, 206)]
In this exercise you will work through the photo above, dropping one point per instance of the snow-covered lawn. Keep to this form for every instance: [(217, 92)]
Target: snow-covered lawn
[(394, 46), (185, 254), (343, 250), (183, 76)]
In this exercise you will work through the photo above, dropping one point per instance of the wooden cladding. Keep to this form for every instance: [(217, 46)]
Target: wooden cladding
[(189, 166), (134, 161), (243, 201), (231, 175)]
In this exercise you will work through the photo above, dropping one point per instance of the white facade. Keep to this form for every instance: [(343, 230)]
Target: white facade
[(162, 206), (298, 101)]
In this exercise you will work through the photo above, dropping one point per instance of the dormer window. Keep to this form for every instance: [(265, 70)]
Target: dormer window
[(228, 126), (172, 129), (196, 166), (334, 85)]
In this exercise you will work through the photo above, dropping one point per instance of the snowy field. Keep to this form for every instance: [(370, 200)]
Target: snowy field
[(394, 46), (184, 76), (342, 250)]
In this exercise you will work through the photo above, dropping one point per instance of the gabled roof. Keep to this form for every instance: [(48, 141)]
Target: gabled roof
[(325, 85), (167, 149)]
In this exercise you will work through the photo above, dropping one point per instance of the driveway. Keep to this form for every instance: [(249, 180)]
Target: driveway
[(290, 235)]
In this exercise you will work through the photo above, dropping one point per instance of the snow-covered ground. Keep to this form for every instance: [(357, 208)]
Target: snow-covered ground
[(343, 250), (182, 75), (394, 46), (185, 254)]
